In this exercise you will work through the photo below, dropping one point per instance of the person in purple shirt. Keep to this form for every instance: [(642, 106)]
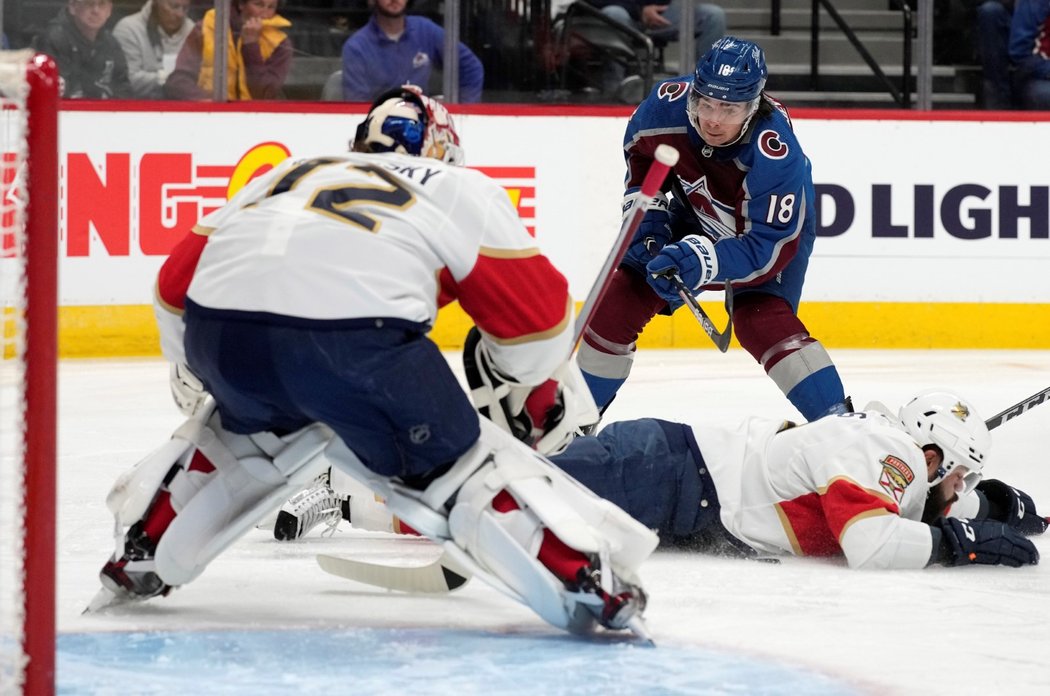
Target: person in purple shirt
[(1030, 52), (395, 48)]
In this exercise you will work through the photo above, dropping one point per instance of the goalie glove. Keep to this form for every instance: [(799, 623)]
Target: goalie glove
[(187, 389), (545, 417)]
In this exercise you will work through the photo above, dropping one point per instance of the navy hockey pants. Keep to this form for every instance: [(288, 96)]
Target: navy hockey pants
[(388, 392)]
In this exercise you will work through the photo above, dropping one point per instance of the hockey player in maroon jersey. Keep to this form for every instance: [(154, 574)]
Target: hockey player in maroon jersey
[(306, 312), (883, 490), (742, 211)]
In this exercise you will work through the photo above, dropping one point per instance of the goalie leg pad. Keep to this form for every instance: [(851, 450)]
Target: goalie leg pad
[(502, 547), (574, 514), (242, 491), (130, 496)]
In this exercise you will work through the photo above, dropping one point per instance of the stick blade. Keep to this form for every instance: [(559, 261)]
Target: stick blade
[(438, 577)]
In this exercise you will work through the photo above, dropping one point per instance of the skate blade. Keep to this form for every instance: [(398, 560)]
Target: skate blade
[(106, 598), (103, 599), (637, 626)]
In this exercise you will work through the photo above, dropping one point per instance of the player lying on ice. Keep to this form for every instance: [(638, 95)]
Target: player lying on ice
[(307, 300), (884, 491)]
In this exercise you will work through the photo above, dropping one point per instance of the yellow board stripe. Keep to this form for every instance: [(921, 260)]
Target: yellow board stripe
[(130, 330)]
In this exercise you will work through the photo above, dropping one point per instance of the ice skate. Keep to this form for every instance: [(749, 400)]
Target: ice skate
[(131, 577), (616, 609), (309, 508)]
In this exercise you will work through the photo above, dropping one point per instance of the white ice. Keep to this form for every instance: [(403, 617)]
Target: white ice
[(976, 630)]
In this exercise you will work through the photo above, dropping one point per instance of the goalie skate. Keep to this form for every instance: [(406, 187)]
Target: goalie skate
[(613, 610)]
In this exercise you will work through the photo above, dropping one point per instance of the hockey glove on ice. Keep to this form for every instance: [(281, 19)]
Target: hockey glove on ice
[(693, 259), (1012, 506), (986, 542), (653, 233)]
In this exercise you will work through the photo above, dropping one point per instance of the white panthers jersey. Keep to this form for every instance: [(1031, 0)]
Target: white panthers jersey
[(853, 485), (379, 237)]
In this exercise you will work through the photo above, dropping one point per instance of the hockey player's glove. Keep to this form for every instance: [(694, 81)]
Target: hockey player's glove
[(652, 235), (987, 542), (545, 417), (186, 388), (693, 260), (1012, 506)]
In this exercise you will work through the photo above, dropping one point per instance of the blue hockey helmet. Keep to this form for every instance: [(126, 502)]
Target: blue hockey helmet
[(404, 120), (733, 70)]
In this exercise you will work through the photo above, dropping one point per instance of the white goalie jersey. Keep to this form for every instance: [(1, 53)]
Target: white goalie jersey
[(853, 485), (367, 238)]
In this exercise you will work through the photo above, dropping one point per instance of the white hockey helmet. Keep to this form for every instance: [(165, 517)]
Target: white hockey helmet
[(948, 421), (404, 120)]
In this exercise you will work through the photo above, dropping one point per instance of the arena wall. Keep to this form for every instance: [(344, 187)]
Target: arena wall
[(934, 227)]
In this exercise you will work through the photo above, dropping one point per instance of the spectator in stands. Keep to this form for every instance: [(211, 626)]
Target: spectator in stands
[(660, 21), (1030, 52), (258, 55), (395, 48), (151, 39), (993, 39), (90, 62)]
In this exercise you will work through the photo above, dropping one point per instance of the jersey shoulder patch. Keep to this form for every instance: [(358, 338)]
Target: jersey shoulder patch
[(895, 477), (672, 90), (772, 145)]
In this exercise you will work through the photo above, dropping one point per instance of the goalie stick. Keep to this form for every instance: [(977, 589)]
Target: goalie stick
[(439, 576), (1017, 409)]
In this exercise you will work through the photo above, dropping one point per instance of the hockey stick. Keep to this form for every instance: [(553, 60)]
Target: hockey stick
[(439, 576), (666, 157), (721, 338), (1018, 408)]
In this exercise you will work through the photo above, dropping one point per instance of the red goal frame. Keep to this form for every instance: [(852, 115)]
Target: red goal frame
[(41, 373)]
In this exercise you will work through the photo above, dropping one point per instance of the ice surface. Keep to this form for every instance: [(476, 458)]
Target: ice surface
[(721, 625)]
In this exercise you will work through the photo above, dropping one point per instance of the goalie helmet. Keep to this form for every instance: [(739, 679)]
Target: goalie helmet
[(948, 421), (403, 120)]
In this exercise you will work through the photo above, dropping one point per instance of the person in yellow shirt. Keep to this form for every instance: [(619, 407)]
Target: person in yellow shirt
[(259, 55)]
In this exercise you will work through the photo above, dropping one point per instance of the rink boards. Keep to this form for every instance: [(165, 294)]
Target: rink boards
[(934, 229)]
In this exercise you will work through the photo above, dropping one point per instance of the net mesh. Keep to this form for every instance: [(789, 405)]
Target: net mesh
[(13, 123)]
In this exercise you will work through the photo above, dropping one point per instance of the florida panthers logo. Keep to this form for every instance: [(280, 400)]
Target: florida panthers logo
[(672, 91), (770, 145)]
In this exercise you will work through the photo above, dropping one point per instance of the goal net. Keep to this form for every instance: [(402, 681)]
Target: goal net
[(28, 284)]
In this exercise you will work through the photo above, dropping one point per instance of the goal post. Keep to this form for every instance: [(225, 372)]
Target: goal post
[(28, 374)]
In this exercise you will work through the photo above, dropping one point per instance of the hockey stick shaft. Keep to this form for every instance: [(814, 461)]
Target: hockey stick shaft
[(721, 338), (665, 158), (1017, 409)]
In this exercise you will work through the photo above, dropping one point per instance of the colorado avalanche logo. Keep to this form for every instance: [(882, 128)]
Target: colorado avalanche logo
[(672, 91), (770, 144)]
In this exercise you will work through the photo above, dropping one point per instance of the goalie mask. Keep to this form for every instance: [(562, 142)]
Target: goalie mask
[(403, 120), (946, 420)]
